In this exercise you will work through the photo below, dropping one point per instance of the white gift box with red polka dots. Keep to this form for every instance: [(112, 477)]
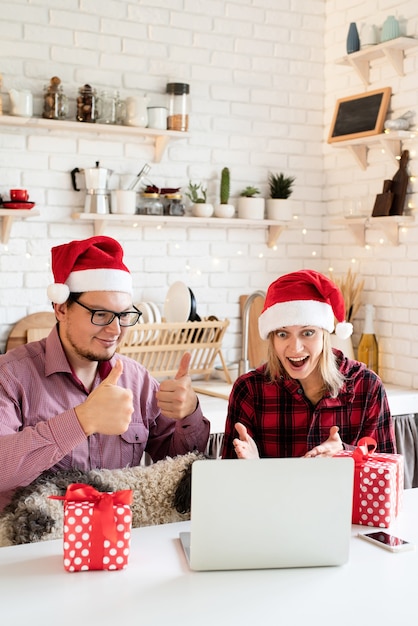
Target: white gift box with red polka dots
[(378, 487), (97, 528)]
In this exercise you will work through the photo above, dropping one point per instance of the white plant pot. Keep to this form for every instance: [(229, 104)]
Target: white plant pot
[(202, 209), (224, 210), (251, 208), (279, 209)]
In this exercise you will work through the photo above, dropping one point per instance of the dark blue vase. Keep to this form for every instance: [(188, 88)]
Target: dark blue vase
[(353, 40)]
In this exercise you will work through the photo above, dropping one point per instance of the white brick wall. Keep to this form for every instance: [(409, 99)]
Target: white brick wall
[(263, 86)]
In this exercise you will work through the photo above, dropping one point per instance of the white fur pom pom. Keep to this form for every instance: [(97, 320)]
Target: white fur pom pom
[(58, 293), (344, 330)]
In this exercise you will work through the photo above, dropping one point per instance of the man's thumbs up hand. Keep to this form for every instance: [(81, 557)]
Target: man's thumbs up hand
[(108, 408), (176, 397), (183, 369)]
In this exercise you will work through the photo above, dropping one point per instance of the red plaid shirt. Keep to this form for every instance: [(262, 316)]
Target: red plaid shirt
[(284, 423)]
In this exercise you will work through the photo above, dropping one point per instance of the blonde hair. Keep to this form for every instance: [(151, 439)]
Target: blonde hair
[(328, 368)]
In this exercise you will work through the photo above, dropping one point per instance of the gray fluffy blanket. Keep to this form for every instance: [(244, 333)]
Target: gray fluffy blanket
[(161, 495)]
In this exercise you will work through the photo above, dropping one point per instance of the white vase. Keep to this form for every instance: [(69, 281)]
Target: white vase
[(251, 208), (279, 209), (345, 345)]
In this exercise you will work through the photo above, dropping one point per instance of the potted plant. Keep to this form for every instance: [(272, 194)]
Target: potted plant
[(278, 204), (197, 194), (224, 209), (250, 207)]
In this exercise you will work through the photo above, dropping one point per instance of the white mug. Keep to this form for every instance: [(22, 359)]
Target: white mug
[(157, 117), (124, 201)]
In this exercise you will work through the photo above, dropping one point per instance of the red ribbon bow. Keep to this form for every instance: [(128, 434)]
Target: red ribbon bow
[(103, 519), (365, 448)]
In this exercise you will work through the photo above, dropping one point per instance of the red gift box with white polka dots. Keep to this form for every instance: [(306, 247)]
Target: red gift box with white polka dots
[(97, 528), (378, 485)]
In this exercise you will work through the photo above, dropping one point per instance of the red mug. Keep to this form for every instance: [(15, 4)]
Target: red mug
[(19, 195)]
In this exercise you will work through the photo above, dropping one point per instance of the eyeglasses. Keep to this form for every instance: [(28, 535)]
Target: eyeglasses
[(101, 317)]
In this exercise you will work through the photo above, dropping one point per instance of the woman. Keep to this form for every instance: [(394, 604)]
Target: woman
[(308, 399)]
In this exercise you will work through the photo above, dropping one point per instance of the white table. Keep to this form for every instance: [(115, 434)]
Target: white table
[(157, 588)]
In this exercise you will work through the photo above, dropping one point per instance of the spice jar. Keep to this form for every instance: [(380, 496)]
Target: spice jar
[(86, 104), (55, 101), (178, 106), (174, 204), (151, 204), (107, 107)]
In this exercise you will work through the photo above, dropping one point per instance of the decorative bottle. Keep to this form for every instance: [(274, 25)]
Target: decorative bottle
[(368, 350), (353, 39)]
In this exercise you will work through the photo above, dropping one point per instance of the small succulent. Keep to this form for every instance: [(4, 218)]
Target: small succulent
[(280, 185), (196, 193), (225, 186), (250, 192)]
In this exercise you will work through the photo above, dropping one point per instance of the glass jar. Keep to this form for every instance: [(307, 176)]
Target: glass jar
[(55, 101), (151, 204), (178, 106), (107, 107), (174, 204), (120, 111), (86, 104)]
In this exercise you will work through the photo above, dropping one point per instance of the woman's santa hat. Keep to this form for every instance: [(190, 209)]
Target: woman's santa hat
[(94, 264), (304, 298)]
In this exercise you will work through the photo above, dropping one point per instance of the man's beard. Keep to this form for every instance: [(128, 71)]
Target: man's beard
[(88, 354)]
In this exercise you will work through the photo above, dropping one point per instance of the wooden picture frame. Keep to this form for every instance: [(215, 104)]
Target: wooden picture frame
[(360, 116)]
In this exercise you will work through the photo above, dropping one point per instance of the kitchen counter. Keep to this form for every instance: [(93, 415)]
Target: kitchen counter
[(213, 396)]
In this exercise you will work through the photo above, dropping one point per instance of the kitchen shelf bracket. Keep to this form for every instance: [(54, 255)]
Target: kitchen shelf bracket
[(393, 50), (389, 224), (8, 216), (161, 138), (100, 222), (390, 141), (273, 235)]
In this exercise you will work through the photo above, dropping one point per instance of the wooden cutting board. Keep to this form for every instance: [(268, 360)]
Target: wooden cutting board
[(257, 347), (19, 333)]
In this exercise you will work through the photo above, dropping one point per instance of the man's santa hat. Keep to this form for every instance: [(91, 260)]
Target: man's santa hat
[(304, 298), (94, 264)]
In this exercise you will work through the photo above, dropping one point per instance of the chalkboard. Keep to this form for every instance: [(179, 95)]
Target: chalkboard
[(360, 116)]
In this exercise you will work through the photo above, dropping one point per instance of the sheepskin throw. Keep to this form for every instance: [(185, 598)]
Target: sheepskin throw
[(161, 495)]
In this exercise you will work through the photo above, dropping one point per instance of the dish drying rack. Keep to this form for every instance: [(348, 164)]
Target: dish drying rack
[(160, 347)]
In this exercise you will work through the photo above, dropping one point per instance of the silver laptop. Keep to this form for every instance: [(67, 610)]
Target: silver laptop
[(269, 513)]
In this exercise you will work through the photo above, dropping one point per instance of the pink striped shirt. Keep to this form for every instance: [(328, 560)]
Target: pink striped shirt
[(39, 429)]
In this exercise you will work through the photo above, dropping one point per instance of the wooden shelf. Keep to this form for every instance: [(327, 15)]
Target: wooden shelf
[(393, 50), (390, 224), (161, 138), (7, 217), (100, 223), (390, 141)]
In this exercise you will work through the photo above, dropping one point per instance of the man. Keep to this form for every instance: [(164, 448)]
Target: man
[(68, 402)]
